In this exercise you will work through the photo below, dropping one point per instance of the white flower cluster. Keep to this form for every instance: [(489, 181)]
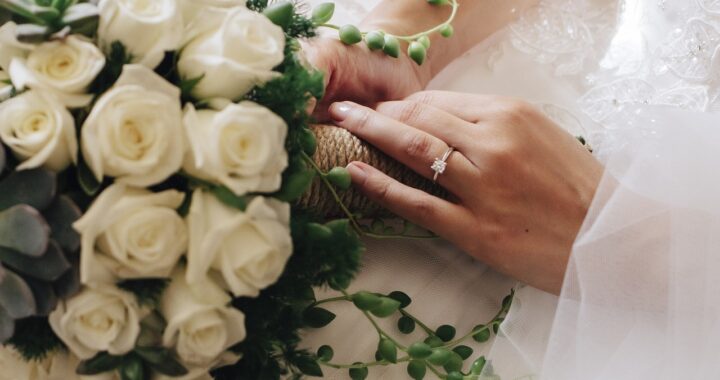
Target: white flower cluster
[(139, 134)]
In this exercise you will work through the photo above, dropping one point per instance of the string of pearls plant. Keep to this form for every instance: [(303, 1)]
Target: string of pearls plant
[(378, 40), (441, 352)]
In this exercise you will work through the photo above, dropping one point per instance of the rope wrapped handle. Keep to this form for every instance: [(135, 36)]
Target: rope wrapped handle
[(338, 147)]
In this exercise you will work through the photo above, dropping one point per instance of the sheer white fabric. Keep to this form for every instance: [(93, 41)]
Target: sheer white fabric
[(641, 79)]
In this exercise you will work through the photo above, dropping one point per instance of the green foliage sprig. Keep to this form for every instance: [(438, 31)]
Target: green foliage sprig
[(440, 353), (418, 44)]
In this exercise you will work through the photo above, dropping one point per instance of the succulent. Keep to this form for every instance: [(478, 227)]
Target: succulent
[(38, 246)]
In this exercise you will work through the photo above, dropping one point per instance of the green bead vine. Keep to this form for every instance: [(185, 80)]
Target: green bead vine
[(388, 43), (440, 352)]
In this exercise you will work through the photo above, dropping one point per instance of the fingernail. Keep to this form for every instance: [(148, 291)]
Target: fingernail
[(357, 173), (340, 111)]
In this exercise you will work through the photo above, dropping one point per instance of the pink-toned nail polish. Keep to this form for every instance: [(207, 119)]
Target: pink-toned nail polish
[(340, 111), (357, 172)]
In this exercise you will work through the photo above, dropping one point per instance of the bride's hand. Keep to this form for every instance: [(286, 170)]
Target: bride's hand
[(522, 186), (357, 74)]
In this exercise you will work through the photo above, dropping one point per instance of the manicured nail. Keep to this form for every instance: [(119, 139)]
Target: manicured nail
[(340, 111), (357, 172)]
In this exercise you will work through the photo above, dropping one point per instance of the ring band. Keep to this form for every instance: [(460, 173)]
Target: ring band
[(440, 164)]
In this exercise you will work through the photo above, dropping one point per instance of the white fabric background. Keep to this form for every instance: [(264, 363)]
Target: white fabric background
[(640, 78)]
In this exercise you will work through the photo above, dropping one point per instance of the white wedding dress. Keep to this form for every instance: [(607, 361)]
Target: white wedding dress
[(641, 300)]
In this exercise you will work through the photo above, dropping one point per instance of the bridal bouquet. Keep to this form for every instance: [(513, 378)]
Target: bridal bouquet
[(150, 153)]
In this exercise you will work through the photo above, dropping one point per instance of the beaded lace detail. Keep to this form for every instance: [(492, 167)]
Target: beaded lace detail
[(676, 64)]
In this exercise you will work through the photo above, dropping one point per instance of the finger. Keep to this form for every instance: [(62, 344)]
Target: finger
[(423, 209), (455, 131), (414, 148), (472, 108)]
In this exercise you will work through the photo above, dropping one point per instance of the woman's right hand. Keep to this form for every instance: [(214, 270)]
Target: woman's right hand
[(355, 73)]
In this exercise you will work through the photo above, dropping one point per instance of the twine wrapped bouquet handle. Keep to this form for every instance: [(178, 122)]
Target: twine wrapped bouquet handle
[(338, 147)]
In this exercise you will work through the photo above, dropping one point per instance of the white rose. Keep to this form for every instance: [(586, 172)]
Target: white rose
[(201, 324), (134, 132), (241, 147), (233, 50), (5, 86), (147, 28), (55, 366), (249, 249), (39, 130), (191, 8), (10, 47), (131, 233), (64, 68), (99, 319)]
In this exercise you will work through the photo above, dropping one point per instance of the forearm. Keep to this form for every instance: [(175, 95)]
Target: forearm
[(476, 20)]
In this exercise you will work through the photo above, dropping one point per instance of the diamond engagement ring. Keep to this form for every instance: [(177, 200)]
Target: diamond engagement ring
[(440, 164)]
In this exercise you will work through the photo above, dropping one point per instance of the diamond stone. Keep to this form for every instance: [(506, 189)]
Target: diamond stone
[(439, 166)]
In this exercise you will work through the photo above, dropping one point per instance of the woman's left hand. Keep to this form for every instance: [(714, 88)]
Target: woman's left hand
[(521, 185)]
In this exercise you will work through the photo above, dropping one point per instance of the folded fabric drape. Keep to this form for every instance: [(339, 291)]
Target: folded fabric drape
[(641, 298)]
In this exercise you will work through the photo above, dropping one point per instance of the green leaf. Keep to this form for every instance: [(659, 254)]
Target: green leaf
[(325, 353), (455, 363), (34, 339), (359, 373), (100, 363), (387, 307), (61, 215), (406, 325), (162, 361), (226, 196), (24, 230), (417, 369), (419, 350), (280, 13), (45, 298), (89, 184), (433, 341), (48, 267), (318, 232), (375, 40), (340, 177), (309, 366), (417, 52), (388, 350), (295, 185), (401, 297), (35, 188), (464, 351), (82, 18), (350, 34), (392, 46), (32, 34), (69, 284), (323, 13), (22, 8), (447, 31), (446, 333), (146, 291), (482, 334), (366, 301), (317, 317), (455, 375), (439, 356), (188, 85), (478, 366), (16, 297), (132, 369), (7, 326), (308, 142)]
